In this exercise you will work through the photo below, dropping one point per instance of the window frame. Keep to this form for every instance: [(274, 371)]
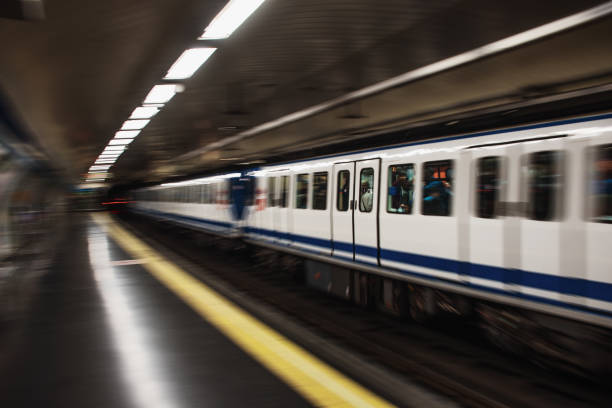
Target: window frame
[(314, 185), (498, 210), (272, 192), (348, 199), (371, 187), (389, 172), (558, 197), (284, 190), (424, 167), (297, 190), (593, 211)]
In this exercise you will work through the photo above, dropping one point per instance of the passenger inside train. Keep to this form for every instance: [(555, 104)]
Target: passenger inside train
[(437, 190), (401, 189), (366, 193)]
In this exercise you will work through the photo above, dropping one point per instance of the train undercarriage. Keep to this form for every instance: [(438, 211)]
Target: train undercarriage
[(545, 340)]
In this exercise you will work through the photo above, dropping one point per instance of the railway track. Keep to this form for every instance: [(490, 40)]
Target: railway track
[(448, 356)]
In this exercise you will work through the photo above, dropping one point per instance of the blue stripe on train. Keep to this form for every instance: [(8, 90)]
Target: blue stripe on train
[(565, 285)]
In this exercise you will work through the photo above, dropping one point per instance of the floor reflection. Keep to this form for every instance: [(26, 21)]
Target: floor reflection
[(143, 373)]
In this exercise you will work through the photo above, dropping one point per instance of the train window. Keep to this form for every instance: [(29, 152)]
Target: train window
[(437, 187), (272, 192), (601, 184), (301, 191), (488, 185), (210, 194), (344, 183), (366, 190), (284, 191), (319, 191), (249, 190), (544, 185), (400, 193)]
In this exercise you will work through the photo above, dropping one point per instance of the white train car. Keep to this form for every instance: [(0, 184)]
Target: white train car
[(203, 203), (520, 216)]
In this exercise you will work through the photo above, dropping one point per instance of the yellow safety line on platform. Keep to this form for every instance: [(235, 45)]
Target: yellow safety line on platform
[(316, 381)]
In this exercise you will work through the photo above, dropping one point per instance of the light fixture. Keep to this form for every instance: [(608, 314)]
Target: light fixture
[(112, 149), (188, 63), (134, 124), (126, 134), (162, 93), (104, 167), (105, 161), (144, 112), (230, 18), (120, 142), (109, 155)]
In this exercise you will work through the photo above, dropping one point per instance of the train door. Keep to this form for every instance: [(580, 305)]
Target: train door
[(543, 175), (598, 227), (282, 217), (342, 210), (273, 201), (365, 210), (488, 199)]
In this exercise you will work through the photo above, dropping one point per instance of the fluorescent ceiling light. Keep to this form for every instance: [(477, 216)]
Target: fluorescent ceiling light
[(104, 167), (233, 14), (109, 154), (120, 142), (188, 63), (134, 124), (114, 148), (144, 112), (162, 93), (126, 134), (105, 161)]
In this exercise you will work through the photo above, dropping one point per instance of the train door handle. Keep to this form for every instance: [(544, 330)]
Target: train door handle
[(352, 204)]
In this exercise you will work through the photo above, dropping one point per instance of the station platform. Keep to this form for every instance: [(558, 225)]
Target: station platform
[(114, 324)]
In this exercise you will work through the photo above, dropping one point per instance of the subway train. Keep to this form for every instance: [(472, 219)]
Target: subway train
[(511, 227)]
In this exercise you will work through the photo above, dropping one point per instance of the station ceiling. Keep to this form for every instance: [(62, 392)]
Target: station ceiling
[(76, 75)]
